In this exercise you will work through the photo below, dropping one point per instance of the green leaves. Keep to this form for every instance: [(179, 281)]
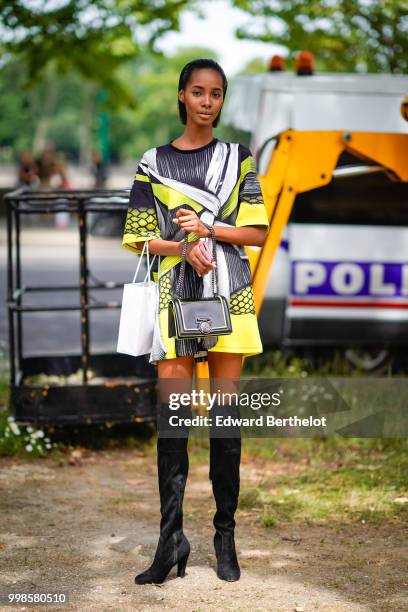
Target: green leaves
[(344, 35), (94, 37)]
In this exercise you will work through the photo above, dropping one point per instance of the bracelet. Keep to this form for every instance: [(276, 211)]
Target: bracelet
[(180, 246), (211, 230)]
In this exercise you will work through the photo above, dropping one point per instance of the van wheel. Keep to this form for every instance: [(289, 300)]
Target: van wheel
[(369, 359)]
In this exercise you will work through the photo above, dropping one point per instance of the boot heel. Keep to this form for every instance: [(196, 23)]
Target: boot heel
[(181, 566)]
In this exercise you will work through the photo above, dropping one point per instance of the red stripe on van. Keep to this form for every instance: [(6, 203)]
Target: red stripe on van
[(349, 304)]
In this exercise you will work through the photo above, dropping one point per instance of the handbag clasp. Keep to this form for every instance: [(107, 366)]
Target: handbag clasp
[(204, 324)]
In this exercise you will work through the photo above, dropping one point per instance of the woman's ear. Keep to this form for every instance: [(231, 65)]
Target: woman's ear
[(181, 95)]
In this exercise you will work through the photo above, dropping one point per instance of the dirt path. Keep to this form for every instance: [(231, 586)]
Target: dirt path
[(89, 528)]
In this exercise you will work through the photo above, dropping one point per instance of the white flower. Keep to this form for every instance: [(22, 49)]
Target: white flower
[(38, 434), (48, 446), (29, 448), (14, 428), (10, 418), (29, 429)]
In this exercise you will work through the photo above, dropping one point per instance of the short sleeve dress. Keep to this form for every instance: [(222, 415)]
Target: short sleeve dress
[(219, 182)]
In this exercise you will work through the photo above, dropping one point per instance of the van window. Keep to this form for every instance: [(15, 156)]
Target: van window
[(369, 199)]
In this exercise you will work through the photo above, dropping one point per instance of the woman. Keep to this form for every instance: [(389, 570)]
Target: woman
[(181, 188)]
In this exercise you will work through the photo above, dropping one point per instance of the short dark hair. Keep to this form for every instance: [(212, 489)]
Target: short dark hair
[(185, 75)]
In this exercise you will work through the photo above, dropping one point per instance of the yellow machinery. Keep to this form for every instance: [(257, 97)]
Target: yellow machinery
[(305, 160)]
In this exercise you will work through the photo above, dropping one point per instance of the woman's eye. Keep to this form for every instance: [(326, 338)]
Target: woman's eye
[(196, 93)]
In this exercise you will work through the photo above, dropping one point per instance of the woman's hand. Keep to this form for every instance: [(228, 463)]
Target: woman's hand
[(189, 221), (197, 260)]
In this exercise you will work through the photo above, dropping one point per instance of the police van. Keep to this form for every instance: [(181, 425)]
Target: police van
[(332, 157)]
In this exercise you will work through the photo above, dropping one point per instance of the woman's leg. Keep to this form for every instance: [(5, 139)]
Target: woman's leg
[(180, 367), (225, 458), (174, 377), (172, 469), (225, 365)]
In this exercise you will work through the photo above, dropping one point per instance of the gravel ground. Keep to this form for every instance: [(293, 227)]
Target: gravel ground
[(88, 528)]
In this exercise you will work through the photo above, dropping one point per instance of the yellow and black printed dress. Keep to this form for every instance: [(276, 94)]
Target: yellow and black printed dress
[(219, 182)]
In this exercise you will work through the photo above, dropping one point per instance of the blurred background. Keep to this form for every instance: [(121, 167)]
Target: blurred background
[(86, 87), (95, 86)]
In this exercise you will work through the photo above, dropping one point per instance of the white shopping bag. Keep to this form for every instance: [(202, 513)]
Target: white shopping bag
[(138, 313)]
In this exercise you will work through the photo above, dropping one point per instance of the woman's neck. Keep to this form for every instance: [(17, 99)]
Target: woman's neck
[(194, 136)]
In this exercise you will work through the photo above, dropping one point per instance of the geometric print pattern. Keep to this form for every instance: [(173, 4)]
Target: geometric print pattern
[(165, 290), (242, 301), (249, 191), (141, 221), (251, 199)]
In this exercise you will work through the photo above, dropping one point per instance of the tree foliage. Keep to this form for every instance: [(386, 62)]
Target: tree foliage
[(153, 82), (95, 37), (344, 35)]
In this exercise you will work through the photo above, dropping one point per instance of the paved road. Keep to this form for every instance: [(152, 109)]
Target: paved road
[(50, 257)]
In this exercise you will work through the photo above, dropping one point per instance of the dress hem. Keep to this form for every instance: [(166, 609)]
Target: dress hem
[(245, 352)]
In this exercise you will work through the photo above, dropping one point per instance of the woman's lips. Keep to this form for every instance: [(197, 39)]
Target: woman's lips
[(205, 114)]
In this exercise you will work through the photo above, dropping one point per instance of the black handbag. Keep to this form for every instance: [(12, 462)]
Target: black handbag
[(202, 317)]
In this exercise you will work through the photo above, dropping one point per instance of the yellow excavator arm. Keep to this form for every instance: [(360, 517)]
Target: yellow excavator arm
[(302, 161)]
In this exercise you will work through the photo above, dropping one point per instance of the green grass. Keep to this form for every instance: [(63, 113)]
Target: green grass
[(288, 363), (4, 391), (328, 480)]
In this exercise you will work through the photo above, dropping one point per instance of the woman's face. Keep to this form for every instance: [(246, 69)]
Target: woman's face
[(203, 96)]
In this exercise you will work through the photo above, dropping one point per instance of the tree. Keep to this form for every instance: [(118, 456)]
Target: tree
[(95, 37), (344, 35), (64, 109)]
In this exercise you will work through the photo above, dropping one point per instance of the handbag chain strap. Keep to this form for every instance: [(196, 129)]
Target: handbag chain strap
[(180, 280)]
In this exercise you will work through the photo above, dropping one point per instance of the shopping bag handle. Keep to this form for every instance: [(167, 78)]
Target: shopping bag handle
[(149, 264)]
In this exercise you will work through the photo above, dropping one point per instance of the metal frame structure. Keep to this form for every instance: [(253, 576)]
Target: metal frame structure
[(125, 389)]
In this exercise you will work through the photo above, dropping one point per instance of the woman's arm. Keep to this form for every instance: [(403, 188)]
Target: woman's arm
[(252, 235), (157, 246), (194, 257)]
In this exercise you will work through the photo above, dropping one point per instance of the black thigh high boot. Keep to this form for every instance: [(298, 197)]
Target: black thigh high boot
[(225, 459), (172, 466)]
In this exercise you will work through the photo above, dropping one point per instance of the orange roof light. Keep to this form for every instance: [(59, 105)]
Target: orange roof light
[(305, 64), (276, 64)]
